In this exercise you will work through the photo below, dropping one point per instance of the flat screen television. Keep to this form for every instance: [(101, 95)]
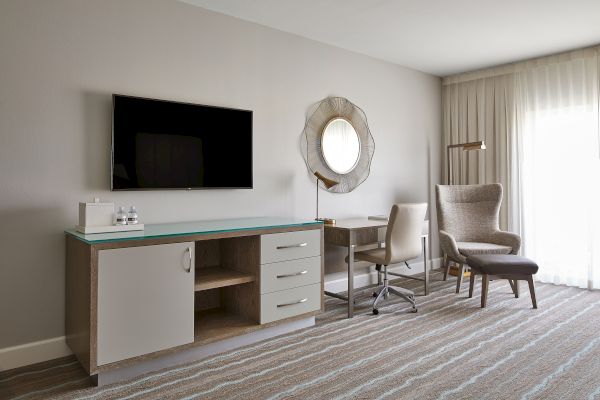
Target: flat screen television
[(158, 144)]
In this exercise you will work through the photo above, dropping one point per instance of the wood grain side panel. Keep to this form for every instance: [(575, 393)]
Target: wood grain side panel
[(337, 237), (243, 300), (341, 237), (93, 311), (78, 303), (242, 254), (322, 269)]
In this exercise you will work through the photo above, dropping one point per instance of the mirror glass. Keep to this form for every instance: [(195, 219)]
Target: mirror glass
[(340, 145)]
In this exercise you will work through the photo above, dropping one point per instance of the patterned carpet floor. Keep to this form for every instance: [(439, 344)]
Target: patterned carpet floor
[(450, 349)]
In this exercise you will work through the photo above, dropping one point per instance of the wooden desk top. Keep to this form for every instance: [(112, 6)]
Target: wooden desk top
[(365, 223), (357, 223)]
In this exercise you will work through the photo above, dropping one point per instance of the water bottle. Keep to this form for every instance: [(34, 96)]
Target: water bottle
[(132, 216), (121, 217)]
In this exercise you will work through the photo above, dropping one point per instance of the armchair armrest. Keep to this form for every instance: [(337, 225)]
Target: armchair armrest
[(449, 246), (507, 239)]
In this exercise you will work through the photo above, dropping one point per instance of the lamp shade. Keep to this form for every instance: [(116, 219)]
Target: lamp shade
[(474, 146), (329, 183), (480, 145)]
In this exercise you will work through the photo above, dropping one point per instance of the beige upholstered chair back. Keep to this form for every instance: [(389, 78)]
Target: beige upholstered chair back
[(403, 235), (470, 213)]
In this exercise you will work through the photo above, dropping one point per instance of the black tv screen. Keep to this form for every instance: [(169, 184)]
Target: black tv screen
[(161, 144)]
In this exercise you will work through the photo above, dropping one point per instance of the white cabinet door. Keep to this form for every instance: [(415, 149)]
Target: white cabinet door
[(145, 300)]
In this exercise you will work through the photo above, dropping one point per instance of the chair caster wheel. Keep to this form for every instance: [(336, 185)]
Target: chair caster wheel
[(374, 294), (375, 311), (414, 310)]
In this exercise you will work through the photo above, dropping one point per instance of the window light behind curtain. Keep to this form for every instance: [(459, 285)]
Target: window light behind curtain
[(558, 169), (540, 121)]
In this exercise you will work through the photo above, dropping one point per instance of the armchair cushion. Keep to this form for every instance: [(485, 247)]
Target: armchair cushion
[(509, 239), (473, 248)]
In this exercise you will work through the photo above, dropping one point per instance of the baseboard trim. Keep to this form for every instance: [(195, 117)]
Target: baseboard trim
[(33, 353), (369, 278), (49, 349)]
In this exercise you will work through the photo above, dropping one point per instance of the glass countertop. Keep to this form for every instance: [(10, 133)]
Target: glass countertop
[(192, 228)]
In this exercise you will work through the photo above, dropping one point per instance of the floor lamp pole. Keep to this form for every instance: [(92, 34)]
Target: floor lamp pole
[(449, 166)]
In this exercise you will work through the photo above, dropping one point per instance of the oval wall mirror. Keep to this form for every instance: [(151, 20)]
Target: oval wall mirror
[(337, 144), (340, 145)]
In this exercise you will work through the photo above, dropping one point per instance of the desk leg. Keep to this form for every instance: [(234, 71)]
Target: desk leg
[(351, 276), (426, 280)]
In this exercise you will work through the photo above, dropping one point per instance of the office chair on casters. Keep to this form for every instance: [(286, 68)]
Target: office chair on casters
[(402, 243)]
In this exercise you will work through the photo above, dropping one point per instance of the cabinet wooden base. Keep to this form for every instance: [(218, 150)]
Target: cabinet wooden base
[(198, 353)]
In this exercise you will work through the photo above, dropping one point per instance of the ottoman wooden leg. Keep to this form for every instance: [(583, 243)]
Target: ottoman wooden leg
[(485, 281), (514, 285), (532, 290), (471, 283)]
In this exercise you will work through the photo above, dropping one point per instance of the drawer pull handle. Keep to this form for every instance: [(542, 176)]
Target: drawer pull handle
[(304, 300), (189, 251), (291, 246), (294, 274)]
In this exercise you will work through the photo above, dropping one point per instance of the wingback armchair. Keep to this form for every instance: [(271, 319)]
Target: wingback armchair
[(468, 219)]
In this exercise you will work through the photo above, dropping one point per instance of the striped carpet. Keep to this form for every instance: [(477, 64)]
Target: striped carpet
[(450, 349)]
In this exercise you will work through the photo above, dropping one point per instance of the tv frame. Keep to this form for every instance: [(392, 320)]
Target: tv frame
[(112, 146)]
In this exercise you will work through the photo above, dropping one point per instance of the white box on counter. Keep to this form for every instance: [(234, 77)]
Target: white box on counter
[(96, 214)]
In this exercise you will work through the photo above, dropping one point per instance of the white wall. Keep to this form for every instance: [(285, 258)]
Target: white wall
[(61, 60)]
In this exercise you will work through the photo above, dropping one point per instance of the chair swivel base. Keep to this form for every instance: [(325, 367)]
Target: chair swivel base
[(384, 291)]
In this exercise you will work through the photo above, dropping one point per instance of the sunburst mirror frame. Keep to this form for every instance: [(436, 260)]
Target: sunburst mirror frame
[(318, 117)]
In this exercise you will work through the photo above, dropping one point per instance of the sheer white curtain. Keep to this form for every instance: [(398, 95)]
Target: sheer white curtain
[(556, 167)]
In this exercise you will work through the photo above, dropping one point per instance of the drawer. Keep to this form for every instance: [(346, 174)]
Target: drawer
[(289, 246), (289, 274), (291, 302)]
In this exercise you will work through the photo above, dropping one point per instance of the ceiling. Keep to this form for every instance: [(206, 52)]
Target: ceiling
[(441, 37)]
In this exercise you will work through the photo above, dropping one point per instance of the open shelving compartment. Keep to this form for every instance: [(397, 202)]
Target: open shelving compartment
[(227, 293)]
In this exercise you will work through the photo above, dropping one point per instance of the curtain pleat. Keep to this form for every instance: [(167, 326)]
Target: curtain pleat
[(473, 111)]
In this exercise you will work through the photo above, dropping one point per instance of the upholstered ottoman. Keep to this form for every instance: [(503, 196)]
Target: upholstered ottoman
[(502, 266)]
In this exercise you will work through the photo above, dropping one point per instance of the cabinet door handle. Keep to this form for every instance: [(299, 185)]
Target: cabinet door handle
[(304, 300), (294, 274), (291, 246), (189, 251)]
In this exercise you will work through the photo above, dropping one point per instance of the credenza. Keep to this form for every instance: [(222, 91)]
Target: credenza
[(143, 300)]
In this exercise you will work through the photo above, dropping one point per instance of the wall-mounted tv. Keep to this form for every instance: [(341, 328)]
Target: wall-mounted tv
[(158, 144)]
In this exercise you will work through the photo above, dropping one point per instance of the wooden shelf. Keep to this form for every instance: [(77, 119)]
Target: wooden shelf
[(216, 277), (218, 324)]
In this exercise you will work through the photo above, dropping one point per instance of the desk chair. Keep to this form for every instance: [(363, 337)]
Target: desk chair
[(402, 243)]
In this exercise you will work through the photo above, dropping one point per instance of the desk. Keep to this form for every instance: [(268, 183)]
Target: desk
[(350, 233)]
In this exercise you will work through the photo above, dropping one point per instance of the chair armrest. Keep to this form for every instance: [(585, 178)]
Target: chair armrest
[(449, 247), (507, 239)]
